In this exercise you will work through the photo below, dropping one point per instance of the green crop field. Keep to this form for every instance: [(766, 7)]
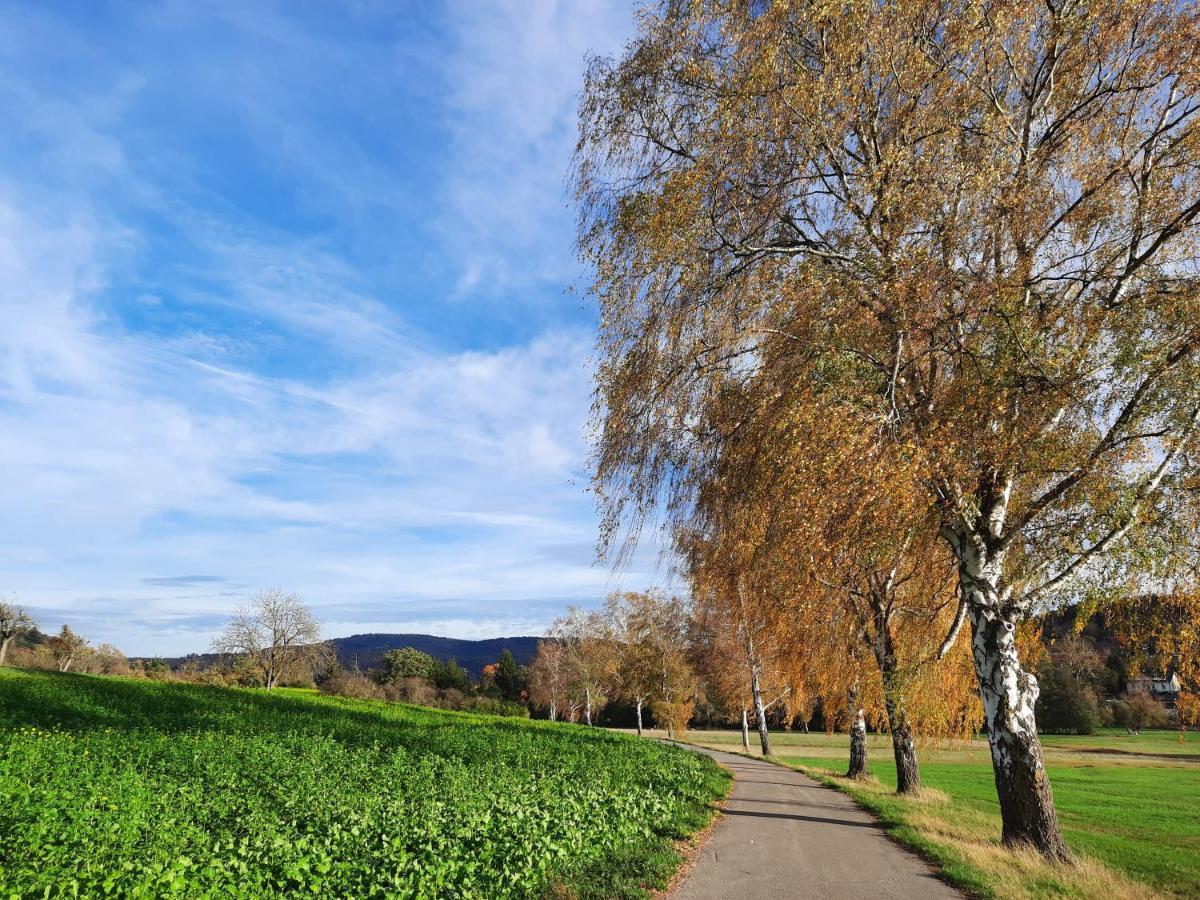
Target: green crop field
[(122, 787), (1130, 802)]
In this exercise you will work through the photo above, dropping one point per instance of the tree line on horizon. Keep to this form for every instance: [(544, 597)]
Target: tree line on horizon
[(275, 640)]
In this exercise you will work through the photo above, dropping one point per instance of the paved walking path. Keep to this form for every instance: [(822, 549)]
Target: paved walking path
[(784, 835)]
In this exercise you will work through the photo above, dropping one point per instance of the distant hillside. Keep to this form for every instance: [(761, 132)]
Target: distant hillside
[(366, 649), (471, 655)]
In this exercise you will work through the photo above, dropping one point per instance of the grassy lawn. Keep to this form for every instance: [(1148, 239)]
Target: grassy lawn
[(133, 788), (1129, 805)]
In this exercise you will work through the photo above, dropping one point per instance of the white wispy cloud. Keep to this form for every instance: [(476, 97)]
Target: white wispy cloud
[(515, 82), (187, 387)]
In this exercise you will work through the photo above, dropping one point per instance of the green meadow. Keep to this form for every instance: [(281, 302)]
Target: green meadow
[(134, 788)]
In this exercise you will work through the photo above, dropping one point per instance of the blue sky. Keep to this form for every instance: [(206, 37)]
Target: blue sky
[(284, 301)]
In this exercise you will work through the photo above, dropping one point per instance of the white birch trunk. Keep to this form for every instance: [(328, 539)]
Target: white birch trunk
[(760, 711), (858, 738), (1009, 694)]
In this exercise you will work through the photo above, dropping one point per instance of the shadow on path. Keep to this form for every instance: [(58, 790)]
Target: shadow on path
[(772, 853)]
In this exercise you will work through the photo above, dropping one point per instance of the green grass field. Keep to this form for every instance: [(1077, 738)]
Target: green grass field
[(1131, 802), (122, 787)]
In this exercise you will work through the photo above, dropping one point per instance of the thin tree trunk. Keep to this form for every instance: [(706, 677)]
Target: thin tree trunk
[(587, 705), (760, 711), (858, 739), (639, 716), (1009, 694), (4, 649), (553, 711), (745, 731), (908, 772), (66, 664)]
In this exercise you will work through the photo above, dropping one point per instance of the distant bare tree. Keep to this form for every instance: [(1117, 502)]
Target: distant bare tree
[(66, 647), (278, 633), (548, 678), (13, 621)]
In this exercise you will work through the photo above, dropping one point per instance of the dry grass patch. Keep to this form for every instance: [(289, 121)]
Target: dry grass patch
[(964, 843)]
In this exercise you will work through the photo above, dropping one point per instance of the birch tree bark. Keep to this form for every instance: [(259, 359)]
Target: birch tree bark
[(760, 710), (908, 772), (1008, 692), (858, 738)]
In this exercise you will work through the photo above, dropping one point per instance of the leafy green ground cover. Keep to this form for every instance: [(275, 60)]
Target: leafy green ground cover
[(120, 787), (1132, 802)]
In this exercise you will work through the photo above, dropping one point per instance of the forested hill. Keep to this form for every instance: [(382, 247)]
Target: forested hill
[(471, 655), (366, 649)]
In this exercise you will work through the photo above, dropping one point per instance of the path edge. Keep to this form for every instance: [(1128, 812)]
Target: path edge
[(971, 889), (689, 848)]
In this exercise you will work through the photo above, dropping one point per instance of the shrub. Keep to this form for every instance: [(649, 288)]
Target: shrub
[(1139, 710), (351, 684), (492, 706), (411, 690), (1065, 705), (158, 669), (398, 665), (450, 676)]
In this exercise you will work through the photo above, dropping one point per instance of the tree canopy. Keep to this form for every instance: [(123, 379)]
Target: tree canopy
[(963, 237)]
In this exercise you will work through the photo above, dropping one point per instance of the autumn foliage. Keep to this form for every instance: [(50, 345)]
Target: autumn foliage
[(899, 321)]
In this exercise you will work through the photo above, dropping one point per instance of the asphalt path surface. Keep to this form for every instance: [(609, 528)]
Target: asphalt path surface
[(784, 835)]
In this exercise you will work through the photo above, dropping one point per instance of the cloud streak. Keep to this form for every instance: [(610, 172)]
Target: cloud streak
[(233, 340)]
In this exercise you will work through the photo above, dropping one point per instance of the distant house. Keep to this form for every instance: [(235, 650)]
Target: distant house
[(1165, 690)]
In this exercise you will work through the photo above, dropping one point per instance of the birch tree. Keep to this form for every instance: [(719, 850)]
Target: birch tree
[(973, 223), (754, 623), (590, 660), (861, 537), (548, 678), (650, 640)]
